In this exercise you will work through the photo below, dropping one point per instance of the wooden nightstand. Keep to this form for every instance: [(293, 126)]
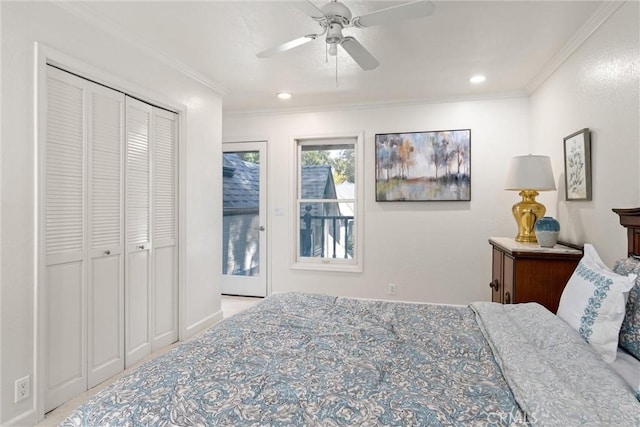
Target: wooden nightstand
[(525, 272)]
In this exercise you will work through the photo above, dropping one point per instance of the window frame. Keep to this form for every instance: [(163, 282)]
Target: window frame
[(354, 264)]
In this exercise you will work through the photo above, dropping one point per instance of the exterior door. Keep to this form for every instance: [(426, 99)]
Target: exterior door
[(244, 237)]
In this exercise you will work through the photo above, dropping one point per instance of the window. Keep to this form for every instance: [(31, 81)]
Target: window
[(328, 226)]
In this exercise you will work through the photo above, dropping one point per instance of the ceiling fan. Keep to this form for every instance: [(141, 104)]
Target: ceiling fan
[(334, 16)]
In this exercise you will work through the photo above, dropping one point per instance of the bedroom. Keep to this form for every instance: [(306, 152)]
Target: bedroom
[(426, 243)]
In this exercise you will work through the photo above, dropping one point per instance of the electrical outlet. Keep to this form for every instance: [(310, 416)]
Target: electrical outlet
[(392, 289), (22, 388)]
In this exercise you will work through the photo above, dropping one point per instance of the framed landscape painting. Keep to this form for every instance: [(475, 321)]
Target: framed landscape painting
[(423, 166)]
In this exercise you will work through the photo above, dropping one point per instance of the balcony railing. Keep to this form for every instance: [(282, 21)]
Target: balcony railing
[(326, 236)]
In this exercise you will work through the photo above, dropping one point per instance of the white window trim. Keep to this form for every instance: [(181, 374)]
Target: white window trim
[(355, 265)]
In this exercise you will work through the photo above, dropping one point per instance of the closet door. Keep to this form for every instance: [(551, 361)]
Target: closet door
[(137, 219), (82, 230), (164, 292), (109, 233), (63, 188), (105, 267)]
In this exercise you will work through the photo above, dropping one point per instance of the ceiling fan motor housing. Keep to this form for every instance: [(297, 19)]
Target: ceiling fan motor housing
[(336, 12)]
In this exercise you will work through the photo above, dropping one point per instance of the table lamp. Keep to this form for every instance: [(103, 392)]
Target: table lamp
[(528, 175)]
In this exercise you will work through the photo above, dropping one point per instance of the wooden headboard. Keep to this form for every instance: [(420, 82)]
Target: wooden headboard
[(630, 219)]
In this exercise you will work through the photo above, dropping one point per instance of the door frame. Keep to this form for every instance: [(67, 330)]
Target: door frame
[(260, 145)]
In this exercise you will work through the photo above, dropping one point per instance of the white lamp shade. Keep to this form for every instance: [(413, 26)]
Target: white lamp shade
[(530, 173)]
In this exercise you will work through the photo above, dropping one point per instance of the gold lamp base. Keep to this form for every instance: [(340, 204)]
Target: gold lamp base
[(526, 212)]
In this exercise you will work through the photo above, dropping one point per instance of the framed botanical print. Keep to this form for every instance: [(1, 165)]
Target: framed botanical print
[(577, 165)]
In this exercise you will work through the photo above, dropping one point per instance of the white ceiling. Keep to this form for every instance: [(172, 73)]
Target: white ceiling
[(431, 58)]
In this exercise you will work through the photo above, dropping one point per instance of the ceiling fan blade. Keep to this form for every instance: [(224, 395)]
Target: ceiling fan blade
[(359, 54), (416, 9), (286, 46), (310, 9)]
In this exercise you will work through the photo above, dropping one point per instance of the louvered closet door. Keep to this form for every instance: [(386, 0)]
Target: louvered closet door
[(82, 229), (64, 238), (106, 267), (137, 219), (164, 292)]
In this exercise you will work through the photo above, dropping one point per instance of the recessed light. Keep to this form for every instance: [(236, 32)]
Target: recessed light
[(477, 79), (284, 95)]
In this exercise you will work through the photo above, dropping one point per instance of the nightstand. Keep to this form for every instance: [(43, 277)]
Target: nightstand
[(525, 272)]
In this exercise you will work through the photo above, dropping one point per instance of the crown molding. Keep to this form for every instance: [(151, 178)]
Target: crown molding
[(375, 105), (602, 13), (86, 13)]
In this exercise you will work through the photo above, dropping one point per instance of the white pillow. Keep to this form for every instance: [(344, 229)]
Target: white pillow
[(593, 303)]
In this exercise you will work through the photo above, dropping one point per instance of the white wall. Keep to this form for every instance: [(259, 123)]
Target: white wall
[(24, 23), (433, 251), (596, 88)]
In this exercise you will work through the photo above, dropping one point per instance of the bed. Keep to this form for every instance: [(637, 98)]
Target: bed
[(304, 359)]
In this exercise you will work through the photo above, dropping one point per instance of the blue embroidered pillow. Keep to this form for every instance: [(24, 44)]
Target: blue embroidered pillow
[(630, 329), (593, 303)]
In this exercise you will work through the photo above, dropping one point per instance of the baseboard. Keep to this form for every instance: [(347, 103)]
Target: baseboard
[(203, 324), (25, 419)]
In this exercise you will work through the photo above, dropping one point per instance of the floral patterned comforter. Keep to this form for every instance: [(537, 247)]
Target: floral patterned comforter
[(312, 360)]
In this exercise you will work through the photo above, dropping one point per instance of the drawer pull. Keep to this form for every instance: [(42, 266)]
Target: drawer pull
[(495, 285), (107, 252)]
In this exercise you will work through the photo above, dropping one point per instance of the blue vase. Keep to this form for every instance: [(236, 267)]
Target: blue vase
[(547, 230)]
